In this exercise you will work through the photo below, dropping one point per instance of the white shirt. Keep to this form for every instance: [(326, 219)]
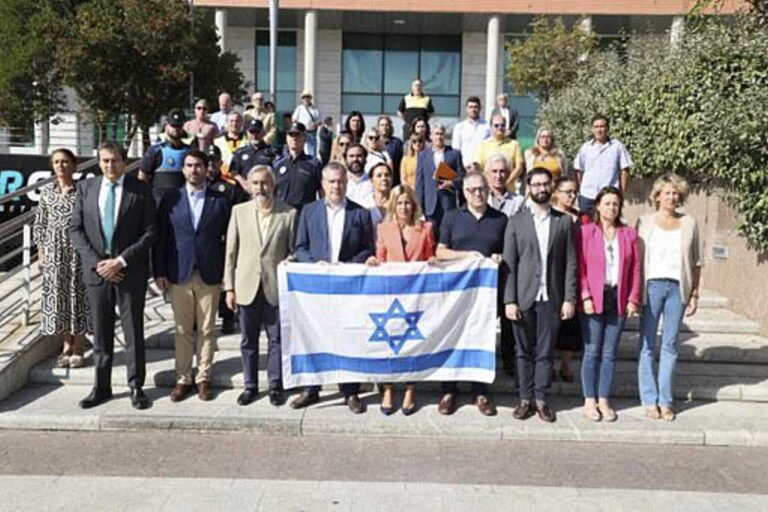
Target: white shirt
[(541, 221), (437, 156), (664, 254), (467, 136), (360, 190), (308, 116), (335, 217), (196, 203), (611, 249), (103, 191), (220, 119)]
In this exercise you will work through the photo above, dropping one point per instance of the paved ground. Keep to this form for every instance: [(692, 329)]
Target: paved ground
[(223, 471)]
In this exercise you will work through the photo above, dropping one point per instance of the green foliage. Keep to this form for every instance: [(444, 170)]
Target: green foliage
[(697, 110), (550, 58)]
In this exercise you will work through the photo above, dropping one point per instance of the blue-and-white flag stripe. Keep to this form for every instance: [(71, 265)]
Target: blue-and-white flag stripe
[(395, 322)]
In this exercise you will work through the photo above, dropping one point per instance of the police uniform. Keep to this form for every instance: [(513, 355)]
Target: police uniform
[(164, 164), (412, 107), (234, 193), (250, 155), (298, 180)]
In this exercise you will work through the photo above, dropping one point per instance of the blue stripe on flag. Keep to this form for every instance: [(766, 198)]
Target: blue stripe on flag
[(426, 282), (325, 362)]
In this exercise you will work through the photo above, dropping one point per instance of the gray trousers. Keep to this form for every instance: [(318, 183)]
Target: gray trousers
[(535, 336)]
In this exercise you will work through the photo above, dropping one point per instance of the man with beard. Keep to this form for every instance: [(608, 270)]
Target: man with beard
[(359, 186), (162, 163), (540, 290), (260, 236), (189, 263), (472, 231)]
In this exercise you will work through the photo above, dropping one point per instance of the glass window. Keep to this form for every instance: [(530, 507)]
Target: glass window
[(286, 67), (378, 69)]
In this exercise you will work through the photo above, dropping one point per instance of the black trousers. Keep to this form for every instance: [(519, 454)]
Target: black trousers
[(252, 317), (535, 336), (130, 302)]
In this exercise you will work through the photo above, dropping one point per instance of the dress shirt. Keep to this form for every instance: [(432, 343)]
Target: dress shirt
[(467, 136), (220, 119), (437, 156), (103, 191), (541, 221), (360, 190), (196, 203), (335, 227), (601, 165), (264, 218), (508, 204)]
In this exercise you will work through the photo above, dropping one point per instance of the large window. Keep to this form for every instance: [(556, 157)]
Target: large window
[(378, 69), (286, 68), (527, 106)]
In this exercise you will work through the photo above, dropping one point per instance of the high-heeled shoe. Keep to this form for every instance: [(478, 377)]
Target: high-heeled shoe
[(387, 411), (407, 411)]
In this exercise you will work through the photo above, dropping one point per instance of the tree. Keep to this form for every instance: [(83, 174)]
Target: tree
[(134, 58), (698, 110), (549, 59)]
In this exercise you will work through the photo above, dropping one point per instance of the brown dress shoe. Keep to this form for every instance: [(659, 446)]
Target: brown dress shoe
[(354, 404), (204, 391), (523, 411), (447, 405), (180, 392), (546, 413), (485, 405), (305, 399)]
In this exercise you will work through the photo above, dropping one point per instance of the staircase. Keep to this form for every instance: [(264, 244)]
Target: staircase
[(722, 372)]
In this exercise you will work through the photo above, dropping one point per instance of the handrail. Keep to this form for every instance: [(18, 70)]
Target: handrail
[(12, 225), (29, 188)]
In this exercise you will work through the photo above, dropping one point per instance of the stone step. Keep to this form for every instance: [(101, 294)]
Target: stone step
[(698, 423), (708, 321), (694, 380), (714, 347)]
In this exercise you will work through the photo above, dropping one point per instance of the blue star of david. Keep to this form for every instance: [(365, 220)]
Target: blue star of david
[(396, 341)]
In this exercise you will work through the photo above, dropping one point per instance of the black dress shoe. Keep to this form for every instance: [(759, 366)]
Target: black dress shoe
[(228, 328), (276, 397), (138, 399), (247, 396), (305, 399), (354, 404), (546, 413), (96, 397), (523, 411)]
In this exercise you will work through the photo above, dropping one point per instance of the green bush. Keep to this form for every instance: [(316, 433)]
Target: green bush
[(700, 110)]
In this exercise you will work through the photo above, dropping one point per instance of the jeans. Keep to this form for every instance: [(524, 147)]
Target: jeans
[(663, 300), (602, 334), (310, 144), (586, 205)]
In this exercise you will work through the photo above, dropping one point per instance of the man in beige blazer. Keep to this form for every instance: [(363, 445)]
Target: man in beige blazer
[(260, 236)]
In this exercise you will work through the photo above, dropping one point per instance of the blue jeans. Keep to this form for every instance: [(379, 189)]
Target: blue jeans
[(602, 334), (663, 300), (310, 144)]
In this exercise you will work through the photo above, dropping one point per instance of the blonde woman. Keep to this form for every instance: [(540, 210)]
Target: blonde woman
[(672, 262), (544, 153), (409, 162), (402, 237)]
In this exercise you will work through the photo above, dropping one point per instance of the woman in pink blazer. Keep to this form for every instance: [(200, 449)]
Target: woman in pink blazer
[(402, 236), (609, 275)]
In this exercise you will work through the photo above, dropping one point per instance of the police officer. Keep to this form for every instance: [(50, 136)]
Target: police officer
[(299, 175), (163, 162), (236, 195), (256, 152), (231, 191)]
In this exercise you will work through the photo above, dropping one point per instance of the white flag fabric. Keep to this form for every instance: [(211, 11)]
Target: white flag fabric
[(392, 323)]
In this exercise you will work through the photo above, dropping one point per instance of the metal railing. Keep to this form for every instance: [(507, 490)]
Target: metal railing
[(20, 227)]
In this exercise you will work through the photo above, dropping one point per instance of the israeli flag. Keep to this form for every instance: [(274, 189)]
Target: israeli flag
[(395, 322)]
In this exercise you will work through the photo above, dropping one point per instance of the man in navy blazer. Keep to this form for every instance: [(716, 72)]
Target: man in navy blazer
[(437, 197), (189, 263), (334, 230)]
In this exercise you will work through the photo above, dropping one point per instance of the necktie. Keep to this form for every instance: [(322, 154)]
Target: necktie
[(109, 216)]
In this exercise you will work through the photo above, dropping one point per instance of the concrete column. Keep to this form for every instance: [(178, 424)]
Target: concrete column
[(5, 139), (676, 31), (310, 49), (42, 137), (492, 63), (221, 28), (585, 23)]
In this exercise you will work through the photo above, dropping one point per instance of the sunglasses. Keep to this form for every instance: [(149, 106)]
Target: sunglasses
[(373, 138), (498, 126), (201, 108), (569, 192)]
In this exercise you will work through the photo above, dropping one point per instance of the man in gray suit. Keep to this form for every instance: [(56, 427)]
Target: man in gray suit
[(260, 236), (540, 291), (113, 229)]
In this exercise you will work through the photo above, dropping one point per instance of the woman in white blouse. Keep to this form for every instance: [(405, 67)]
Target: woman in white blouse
[(672, 268)]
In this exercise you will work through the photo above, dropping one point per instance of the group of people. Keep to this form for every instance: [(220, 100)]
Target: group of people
[(212, 223)]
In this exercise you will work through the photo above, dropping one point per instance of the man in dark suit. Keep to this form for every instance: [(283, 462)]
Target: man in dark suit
[(189, 262), (437, 196), (113, 229), (334, 230), (540, 291), (509, 113)]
